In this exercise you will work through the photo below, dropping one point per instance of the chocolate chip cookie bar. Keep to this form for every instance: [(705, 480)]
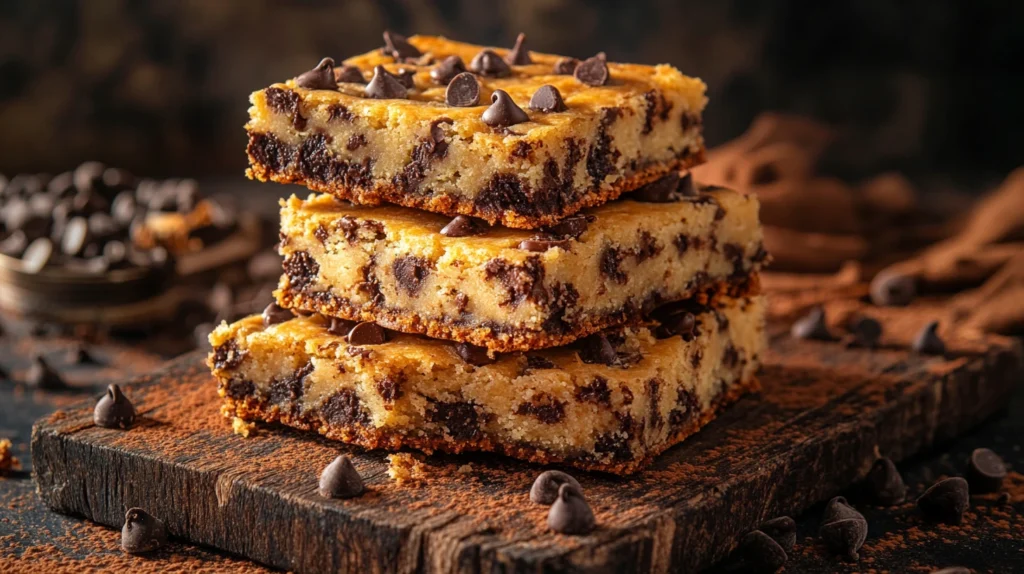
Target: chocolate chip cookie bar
[(510, 136), (517, 290), (609, 402)]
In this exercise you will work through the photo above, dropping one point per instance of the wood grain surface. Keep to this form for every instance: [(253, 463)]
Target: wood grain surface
[(824, 413)]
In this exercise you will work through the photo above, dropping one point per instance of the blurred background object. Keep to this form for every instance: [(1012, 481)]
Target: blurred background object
[(160, 87)]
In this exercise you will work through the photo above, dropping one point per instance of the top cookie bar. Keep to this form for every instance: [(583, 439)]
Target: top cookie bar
[(523, 144)]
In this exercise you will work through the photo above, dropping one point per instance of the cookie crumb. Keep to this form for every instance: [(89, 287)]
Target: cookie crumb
[(241, 427), (8, 461), (406, 469), (465, 469)]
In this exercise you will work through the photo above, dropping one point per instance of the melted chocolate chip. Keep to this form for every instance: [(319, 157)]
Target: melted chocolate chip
[(761, 553), (519, 55), (566, 66), (384, 85), (142, 532), (340, 327), (503, 111), (928, 341), (547, 99), (597, 349), (812, 326), (885, 483), (542, 244), (463, 91), (367, 333), (447, 69), (410, 272), (476, 356), (985, 471), (459, 418), (340, 479), (398, 46), (782, 530), (682, 324), (592, 71), (570, 513), (463, 226), (274, 314), (545, 487), (488, 63), (114, 410), (538, 362), (571, 227), (350, 75), (893, 289), (319, 78)]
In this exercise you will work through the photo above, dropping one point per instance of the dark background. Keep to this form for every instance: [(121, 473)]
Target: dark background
[(161, 86)]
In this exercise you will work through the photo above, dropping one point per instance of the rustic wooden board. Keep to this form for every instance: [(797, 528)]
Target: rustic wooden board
[(824, 412)]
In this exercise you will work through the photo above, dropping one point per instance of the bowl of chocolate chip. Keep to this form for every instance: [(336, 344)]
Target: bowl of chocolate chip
[(98, 245)]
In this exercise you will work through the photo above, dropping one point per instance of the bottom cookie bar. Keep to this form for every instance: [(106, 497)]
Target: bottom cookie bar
[(610, 402)]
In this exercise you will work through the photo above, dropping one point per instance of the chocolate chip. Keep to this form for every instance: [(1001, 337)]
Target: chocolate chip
[(519, 55), (946, 500), (463, 226), (570, 227), (42, 376), (142, 532), (866, 332), (319, 78), (488, 63), (542, 244), (367, 333), (341, 480), (985, 471), (78, 354), (592, 71), (659, 191), (274, 314), (844, 537), (570, 513), (463, 91), (114, 410), (597, 349), (76, 232), (124, 208), (782, 530), (761, 553), (547, 99), (407, 78), (398, 47), (36, 255), (410, 272), (447, 69), (350, 75), (928, 342), (893, 289), (566, 66), (340, 327), (545, 488), (476, 356), (503, 111), (384, 86), (681, 324), (811, 326), (538, 362), (885, 483), (839, 509), (14, 244)]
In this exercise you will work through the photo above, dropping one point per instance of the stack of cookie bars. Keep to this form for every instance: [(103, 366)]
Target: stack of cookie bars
[(503, 255)]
